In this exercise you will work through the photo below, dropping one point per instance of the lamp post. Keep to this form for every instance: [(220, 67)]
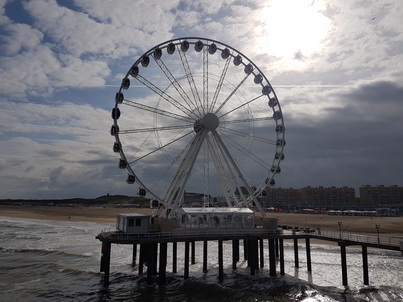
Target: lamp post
[(377, 226), (340, 223)]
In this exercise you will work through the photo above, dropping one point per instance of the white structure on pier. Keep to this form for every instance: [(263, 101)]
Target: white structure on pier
[(215, 217)]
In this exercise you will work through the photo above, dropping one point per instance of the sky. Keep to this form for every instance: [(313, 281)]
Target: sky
[(336, 67)]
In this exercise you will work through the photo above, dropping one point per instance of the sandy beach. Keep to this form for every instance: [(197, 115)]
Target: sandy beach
[(389, 226)]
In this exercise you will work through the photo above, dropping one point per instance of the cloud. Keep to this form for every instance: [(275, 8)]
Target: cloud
[(349, 143), (341, 100), (58, 147)]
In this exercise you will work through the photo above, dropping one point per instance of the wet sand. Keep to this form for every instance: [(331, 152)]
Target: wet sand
[(389, 226)]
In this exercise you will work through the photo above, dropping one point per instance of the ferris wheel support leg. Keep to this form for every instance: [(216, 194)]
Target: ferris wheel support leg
[(231, 175), (221, 173), (175, 193), (239, 173)]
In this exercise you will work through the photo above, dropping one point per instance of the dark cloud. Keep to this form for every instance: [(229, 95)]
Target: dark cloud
[(377, 93), (349, 145)]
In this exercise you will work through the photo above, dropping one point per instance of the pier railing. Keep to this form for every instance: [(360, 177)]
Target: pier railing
[(360, 238), (186, 233), (181, 234)]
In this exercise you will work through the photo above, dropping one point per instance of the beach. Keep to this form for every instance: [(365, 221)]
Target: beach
[(388, 226)]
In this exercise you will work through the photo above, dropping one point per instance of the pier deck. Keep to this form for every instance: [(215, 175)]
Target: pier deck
[(252, 243)]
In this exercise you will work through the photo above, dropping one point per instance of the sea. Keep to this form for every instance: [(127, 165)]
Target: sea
[(45, 260)]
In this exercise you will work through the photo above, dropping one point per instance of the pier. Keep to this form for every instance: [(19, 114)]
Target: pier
[(153, 247)]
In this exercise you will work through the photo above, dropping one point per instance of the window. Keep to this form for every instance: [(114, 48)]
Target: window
[(130, 222), (138, 222)]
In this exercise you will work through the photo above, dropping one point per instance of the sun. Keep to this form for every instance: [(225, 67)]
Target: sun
[(292, 29)]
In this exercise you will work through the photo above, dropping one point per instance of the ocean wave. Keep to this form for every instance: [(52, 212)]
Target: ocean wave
[(43, 252)]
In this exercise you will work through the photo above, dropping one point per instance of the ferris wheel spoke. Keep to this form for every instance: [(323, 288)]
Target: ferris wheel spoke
[(232, 93), (241, 106), (220, 82), (205, 80), (246, 152), (171, 164), (164, 95), (175, 83), (155, 129), (190, 79), (158, 111), (249, 136), (246, 120), (161, 147)]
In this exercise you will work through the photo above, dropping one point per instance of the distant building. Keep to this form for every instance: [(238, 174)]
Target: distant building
[(280, 197), (308, 197), (381, 196), (328, 196)]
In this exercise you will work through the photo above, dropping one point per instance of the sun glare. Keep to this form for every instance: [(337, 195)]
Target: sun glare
[(292, 29)]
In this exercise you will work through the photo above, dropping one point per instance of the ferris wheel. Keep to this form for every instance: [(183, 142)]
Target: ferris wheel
[(196, 117)]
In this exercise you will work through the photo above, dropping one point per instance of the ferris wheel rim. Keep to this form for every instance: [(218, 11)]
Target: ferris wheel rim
[(177, 41)]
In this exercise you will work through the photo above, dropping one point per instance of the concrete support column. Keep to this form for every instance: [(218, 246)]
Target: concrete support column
[(174, 257), (365, 264), (154, 249), (277, 247), (343, 264), (134, 255), (163, 263), (193, 258), (142, 258), (253, 255), (106, 261), (186, 274), (261, 250), (296, 259), (150, 262), (220, 261), (235, 252), (281, 246), (272, 257), (205, 243), (308, 254)]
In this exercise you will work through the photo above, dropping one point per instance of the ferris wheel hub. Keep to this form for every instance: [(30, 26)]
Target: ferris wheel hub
[(210, 121)]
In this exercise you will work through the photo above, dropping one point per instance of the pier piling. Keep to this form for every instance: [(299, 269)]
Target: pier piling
[(134, 255), (365, 264), (261, 249), (308, 254), (193, 258), (296, 259), (220, 261), (106, 261), (174, 257), (272, 258), (205, 242), (235, 253), (186, 274), (163, 262), (343, 264), (281, 247)]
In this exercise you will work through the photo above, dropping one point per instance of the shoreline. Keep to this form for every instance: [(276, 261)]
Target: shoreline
[(388, 226)]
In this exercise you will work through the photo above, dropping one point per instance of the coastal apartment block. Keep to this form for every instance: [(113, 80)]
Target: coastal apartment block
[(333, 197)]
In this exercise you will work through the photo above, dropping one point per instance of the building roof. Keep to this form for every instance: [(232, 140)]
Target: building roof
[(136, 215), (216, 210)]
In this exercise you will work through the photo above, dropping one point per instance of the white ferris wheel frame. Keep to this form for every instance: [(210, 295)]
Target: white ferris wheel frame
[(207, 121)]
